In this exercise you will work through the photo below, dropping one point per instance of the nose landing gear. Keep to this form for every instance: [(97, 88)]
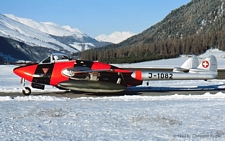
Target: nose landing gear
[(25, 90)]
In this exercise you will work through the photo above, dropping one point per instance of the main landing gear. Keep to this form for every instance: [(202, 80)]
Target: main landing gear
[(25, 90)]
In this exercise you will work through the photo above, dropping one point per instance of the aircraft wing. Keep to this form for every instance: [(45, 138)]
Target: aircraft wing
[(70, 72)]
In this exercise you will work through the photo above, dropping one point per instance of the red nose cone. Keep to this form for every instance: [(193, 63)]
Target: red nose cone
[(26, 72)]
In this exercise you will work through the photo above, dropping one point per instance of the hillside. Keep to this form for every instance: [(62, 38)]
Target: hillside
[(27, 39), (191, 29)]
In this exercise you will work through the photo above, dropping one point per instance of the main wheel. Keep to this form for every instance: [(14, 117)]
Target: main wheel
[(27, 91)]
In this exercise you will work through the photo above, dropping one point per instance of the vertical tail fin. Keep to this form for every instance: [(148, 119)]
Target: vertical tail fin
[(207, 67), (191, 63), (210, 63)]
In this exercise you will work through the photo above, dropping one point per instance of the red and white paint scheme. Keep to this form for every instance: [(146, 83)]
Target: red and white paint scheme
[(62, 72)]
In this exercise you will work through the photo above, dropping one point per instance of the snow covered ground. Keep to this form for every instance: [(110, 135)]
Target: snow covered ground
[(176, 117), (113, 118)]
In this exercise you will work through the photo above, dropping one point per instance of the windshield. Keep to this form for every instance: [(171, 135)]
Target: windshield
[(60, 57), (47, 60), (55, 57)]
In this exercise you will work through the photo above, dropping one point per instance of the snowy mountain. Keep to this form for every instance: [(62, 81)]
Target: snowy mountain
[(65, 34), (116, 37), (20, 32), (48, 27), (32, 38)]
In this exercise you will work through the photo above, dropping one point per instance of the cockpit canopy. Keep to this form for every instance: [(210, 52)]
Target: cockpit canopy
[(55, 57)]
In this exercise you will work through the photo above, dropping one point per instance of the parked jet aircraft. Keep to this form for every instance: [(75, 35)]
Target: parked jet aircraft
[(91, 76)]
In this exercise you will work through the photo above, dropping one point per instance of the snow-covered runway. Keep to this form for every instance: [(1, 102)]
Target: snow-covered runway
[(190, 117)]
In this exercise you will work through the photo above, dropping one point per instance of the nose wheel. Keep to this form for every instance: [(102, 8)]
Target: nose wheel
[(25, 90)]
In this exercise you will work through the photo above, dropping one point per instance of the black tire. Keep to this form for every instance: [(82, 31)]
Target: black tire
[(27, 91)]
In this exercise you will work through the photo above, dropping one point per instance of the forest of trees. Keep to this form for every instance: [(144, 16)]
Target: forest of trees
[(191, 29), (169, 48)]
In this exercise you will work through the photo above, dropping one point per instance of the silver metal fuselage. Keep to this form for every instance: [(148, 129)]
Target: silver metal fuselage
[(153, 75)]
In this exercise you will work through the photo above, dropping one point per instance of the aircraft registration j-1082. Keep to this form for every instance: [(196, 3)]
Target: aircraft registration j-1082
[(62, 72)]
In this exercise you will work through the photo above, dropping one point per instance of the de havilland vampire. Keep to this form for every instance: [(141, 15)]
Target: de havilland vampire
[(62, 72)]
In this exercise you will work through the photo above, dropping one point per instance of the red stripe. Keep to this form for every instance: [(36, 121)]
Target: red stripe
[(100, 66), (122, 71), (138, 75)]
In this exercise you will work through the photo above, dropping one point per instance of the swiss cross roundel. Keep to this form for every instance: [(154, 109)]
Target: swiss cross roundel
[(205, 64)]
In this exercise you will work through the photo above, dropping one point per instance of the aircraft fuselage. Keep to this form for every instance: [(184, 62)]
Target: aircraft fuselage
[(91, 76)]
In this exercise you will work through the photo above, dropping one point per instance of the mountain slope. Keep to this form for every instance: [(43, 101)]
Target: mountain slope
[(191, 29), (13, 50), (48, 36), (78, 40), (48, 27), (18, 31)]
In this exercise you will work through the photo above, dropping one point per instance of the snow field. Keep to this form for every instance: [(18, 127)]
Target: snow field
[(113, 118)]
